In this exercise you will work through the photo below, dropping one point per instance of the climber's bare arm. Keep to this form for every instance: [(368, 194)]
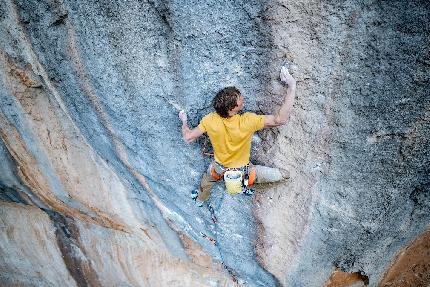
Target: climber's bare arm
[(189, 135), (284, 113)]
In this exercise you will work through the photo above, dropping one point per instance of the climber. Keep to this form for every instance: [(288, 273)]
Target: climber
[(230, 134)]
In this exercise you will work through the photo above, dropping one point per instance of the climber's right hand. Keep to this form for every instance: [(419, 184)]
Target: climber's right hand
[(183, 116), (286, 77)]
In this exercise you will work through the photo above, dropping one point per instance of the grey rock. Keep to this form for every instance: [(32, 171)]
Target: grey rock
[(357, 145)]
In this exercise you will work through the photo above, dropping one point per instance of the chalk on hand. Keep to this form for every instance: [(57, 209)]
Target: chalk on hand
[(284, 69), (175, 105), (183, 115)]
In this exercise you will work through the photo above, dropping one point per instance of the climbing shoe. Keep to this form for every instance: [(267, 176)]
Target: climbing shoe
[(194, 195), (248, 191)]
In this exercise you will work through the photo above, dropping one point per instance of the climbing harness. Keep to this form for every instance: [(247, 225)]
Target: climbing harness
[(250, 176), (237, 180)]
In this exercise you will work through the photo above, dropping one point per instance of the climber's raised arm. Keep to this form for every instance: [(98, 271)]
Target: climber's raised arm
[(284, 113), (189, 135)]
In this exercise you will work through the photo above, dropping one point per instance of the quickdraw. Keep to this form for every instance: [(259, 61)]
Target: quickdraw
[(212, 211), (208, 238)]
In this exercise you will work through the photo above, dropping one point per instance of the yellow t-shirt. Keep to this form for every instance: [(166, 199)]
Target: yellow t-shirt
[(231, 137)]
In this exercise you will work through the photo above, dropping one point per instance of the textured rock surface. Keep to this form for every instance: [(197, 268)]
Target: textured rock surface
[(90, 140), (30, 254), (412, 265)]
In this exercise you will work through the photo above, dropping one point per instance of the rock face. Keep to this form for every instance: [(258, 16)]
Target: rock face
[(95, 180)]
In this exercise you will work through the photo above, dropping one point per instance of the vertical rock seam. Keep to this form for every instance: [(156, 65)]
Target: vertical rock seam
[(67, 234)]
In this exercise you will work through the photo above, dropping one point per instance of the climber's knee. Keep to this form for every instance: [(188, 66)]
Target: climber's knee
[(285, 173)]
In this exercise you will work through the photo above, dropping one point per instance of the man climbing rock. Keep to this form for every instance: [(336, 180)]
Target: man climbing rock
[(230, 134)]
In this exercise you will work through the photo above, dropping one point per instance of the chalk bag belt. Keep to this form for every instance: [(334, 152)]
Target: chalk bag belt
[(248, 173)]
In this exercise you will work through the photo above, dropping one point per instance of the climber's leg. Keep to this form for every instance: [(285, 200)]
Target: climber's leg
[(265, 174), (206, 185)]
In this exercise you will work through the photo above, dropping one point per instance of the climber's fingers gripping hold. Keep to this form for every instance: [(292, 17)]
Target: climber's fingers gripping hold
[(183, 116), (286, 76)]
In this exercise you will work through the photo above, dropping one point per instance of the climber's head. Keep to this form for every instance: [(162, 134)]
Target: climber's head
[(228, 102)]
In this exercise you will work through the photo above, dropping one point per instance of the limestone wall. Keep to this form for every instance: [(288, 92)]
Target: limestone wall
[(95, 180)]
